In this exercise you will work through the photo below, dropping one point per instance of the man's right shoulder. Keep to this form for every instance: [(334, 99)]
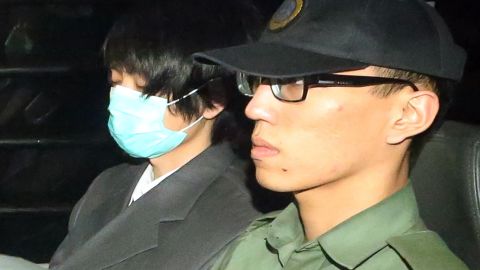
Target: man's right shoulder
[(425, 250), (262, 221)]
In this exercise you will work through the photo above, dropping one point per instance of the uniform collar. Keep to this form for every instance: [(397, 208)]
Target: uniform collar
[(354, 240), (361, 236), (285, 233)]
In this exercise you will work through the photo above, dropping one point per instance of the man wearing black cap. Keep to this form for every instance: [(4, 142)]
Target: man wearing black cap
[(339, 90)]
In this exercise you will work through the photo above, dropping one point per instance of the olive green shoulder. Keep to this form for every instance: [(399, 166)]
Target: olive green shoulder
[(425, 250), (263, 220)]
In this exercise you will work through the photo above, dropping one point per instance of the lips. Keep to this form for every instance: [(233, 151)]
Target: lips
[(262, 149)]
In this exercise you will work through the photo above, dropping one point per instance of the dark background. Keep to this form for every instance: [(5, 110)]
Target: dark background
[(53, 99)]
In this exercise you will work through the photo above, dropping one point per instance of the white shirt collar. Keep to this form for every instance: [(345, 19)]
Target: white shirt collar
[(147, 182)]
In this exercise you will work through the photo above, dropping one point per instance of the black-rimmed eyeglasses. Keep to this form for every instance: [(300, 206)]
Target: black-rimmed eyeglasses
[(296, 89)]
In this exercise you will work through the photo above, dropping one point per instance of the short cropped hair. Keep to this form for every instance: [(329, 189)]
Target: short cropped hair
[(416, 78), (443, 88), (157, 40)]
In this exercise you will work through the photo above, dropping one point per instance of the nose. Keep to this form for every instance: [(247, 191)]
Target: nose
[(261, 105)]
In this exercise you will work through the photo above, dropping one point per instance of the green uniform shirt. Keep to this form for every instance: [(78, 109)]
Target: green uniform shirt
[(389, 235)]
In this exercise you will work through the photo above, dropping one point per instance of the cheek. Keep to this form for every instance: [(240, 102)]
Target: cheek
[(348, 125), (320, 144), (321, 159), (311, 151), (173, 122), (324, 146), (300, 172)]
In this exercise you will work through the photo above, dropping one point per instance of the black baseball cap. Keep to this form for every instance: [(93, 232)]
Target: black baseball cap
[(306, 37)]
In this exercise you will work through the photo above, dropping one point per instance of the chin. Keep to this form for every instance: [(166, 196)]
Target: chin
[(288, 181), (279, 182)]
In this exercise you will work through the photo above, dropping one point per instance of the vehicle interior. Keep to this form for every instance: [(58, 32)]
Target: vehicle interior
[(54, 138)]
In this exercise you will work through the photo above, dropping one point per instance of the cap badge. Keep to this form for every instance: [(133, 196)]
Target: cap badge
[(288, 11)]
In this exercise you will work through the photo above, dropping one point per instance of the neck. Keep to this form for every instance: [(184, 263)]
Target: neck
[(324, 207), (193, 145)]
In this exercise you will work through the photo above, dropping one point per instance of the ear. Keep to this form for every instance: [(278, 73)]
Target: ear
[(211, 113), (417, 114)]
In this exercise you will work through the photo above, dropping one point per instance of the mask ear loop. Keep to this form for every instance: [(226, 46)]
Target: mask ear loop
[(192, 124), (177, 100)]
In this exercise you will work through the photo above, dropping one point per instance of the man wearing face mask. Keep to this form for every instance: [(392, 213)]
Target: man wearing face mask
[(181, 208)]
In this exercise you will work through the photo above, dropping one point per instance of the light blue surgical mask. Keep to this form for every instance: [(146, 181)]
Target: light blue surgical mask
[(136, 123)]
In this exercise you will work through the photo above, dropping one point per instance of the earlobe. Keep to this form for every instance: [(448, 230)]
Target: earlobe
[(417, 116), (214, 111)]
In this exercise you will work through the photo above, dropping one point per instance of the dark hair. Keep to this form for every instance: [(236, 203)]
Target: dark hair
[(156, 42)]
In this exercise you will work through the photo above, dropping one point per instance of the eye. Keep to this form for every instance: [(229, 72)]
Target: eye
[(112, 82), (115, 77), (288, 89), (299, 82), (294, 81), (140, 81)]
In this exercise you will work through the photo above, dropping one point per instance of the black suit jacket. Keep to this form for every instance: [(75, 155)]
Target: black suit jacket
[(182, 223)]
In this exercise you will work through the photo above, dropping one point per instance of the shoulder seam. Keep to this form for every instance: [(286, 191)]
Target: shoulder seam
[(424, 250)]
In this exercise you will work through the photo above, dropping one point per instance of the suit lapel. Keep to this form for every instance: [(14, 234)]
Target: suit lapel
[(136, 229), (173, 198), (115, 198), (112, 191)]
